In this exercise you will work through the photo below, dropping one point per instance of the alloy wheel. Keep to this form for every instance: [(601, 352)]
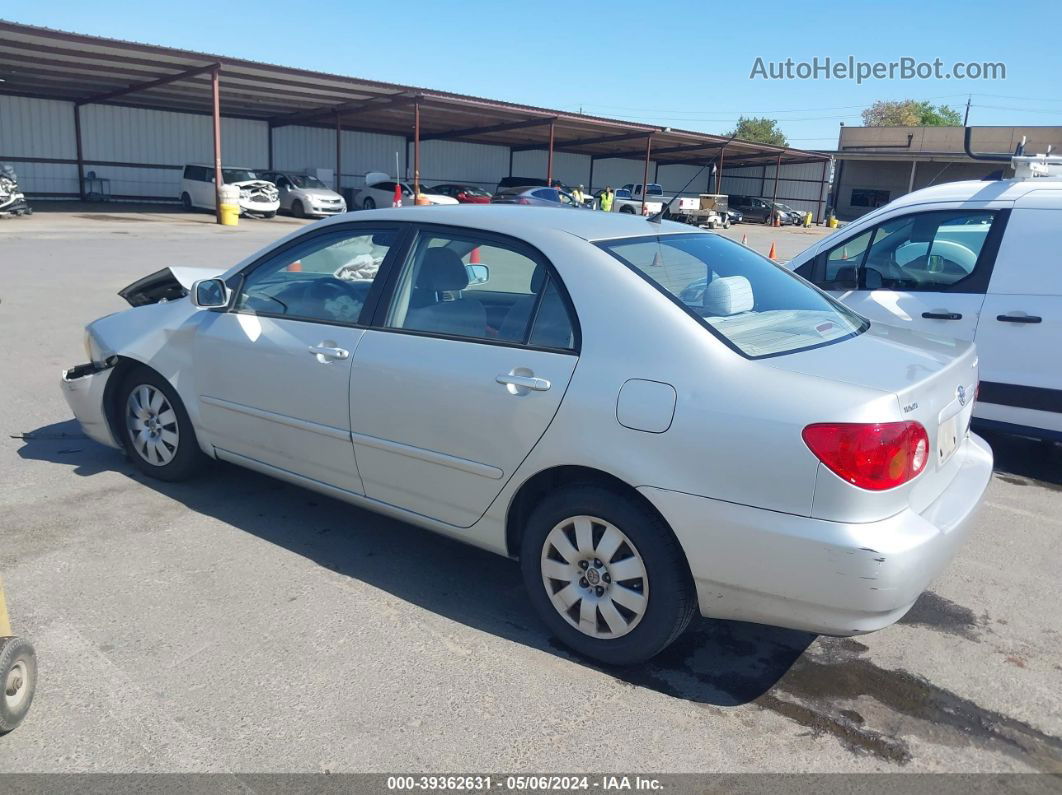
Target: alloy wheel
[(152, 425), (595, 577)]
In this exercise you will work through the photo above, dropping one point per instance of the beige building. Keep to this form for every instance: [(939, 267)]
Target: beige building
[(875, 165)]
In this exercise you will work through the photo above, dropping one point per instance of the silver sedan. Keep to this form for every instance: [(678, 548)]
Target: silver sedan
[(654, 420)]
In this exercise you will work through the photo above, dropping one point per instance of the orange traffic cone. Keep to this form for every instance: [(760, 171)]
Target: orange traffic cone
[(844, 253), (397, 201), (473, 258), (773, 254), (744, 240), (777, 220), (295, 267)]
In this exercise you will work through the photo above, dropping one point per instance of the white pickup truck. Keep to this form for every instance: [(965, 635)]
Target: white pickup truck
[(627, 201)]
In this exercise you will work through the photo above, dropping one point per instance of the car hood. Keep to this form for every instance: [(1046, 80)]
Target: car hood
[(324, 193), (167, 284), (253, 183)]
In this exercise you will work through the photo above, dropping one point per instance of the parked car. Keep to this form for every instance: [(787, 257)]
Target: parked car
[(795, 216), (465, 194), (258, 197), (734, 216), (758, 210), (542, 197), (761, 453), (379, 191), (973, 261), (305, 195)]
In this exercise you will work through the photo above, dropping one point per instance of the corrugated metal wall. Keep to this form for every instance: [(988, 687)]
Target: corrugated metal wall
[(800, 185), (618, 172), (674, 178), (39, 128), (453, 161), (569, 168)]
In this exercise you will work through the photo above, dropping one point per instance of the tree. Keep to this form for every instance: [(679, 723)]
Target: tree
[(910, 113), (759, 129)]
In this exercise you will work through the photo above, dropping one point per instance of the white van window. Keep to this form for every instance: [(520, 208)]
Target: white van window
[(928, 251)]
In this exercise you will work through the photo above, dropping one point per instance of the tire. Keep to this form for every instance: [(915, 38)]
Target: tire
[(369, 203), (186, 201), (632, 621), (155, 429), (627, 209), (268, 215), (297, 209), (18, 681)]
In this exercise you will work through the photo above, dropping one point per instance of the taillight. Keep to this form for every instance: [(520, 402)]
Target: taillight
[(874, 456), (523, 201)]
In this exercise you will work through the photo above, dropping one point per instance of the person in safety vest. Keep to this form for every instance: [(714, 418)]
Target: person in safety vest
[(578, 195), (606, 199)]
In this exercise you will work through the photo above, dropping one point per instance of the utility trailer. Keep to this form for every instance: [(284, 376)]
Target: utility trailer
[(708, 210)]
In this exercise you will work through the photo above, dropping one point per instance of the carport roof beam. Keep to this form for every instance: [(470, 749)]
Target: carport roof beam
[(149, 84), (488, 129), (384, 101), (604, 139)]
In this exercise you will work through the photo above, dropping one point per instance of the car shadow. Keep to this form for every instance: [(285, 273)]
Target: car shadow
[(723, 663)]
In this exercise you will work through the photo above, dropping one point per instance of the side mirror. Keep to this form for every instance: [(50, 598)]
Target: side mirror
[(477, 274), (210, 294)]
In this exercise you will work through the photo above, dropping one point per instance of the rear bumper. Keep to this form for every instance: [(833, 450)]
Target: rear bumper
[(833, 578), (83, 387)]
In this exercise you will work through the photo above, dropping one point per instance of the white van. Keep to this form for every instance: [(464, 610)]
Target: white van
[(258, 197), (969, 260)]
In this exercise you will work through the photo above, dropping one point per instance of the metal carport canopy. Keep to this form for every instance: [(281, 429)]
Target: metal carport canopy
[(52, 64)]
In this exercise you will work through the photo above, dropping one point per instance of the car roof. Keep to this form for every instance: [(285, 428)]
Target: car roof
[(980, 190), (517, 221)]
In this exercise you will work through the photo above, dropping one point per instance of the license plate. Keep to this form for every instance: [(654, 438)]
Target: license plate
[(948, 435)]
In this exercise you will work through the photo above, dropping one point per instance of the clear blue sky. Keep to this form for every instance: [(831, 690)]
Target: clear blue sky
[(679, 64)]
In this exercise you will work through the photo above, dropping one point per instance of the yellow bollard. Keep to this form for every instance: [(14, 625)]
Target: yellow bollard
[(230, 214), (832, 222), (807, 220)]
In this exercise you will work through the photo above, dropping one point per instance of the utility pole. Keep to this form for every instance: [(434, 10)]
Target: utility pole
[(966, 117)]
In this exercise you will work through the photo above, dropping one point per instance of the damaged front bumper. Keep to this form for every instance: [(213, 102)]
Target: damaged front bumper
[(83, 388)]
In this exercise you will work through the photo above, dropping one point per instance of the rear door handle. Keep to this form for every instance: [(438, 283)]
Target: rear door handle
[(1020, 318), (524, 381), (324, 352), (942, 315)]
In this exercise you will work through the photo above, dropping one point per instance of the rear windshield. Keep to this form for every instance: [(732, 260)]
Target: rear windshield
[(758, 308)]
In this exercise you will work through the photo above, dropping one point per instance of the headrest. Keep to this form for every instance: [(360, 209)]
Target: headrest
[(442, 271), (728, 295)]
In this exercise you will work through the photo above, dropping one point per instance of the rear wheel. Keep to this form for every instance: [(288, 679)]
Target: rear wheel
[(155, 428), (297, 209), (18, 681), (606, 575), (627, 209), (186, 201), (369, 203)]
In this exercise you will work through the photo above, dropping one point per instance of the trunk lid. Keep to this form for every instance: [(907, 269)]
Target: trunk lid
[(933, 378)]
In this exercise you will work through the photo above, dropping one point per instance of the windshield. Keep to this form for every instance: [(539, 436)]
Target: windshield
[(306, 181), (756, 307), (231, 175)]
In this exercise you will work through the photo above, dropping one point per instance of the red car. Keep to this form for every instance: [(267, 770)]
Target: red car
[(466, 194)]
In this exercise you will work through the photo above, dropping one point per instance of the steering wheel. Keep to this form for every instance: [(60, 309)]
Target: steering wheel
[(330, 288)]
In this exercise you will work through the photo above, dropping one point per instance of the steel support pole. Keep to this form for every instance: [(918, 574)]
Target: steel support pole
[(549, 155), (416, 152), (777, 168), (80, 156), (339, 151), (270, 143), (645, 171), (819, 217), (910, 181), (215, 90), (719, 172)]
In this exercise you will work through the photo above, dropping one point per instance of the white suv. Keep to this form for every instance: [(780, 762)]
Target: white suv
[(968, 260), (258, 197)]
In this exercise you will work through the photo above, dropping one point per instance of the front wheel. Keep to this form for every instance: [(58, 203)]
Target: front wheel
[(297, 209), (368, 204), (155, 428), (627, 209), (606, 574)]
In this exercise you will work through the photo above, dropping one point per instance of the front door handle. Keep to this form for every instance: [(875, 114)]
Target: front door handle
[(942, 315), (324, 352), (1020, 318), (520, 382)]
